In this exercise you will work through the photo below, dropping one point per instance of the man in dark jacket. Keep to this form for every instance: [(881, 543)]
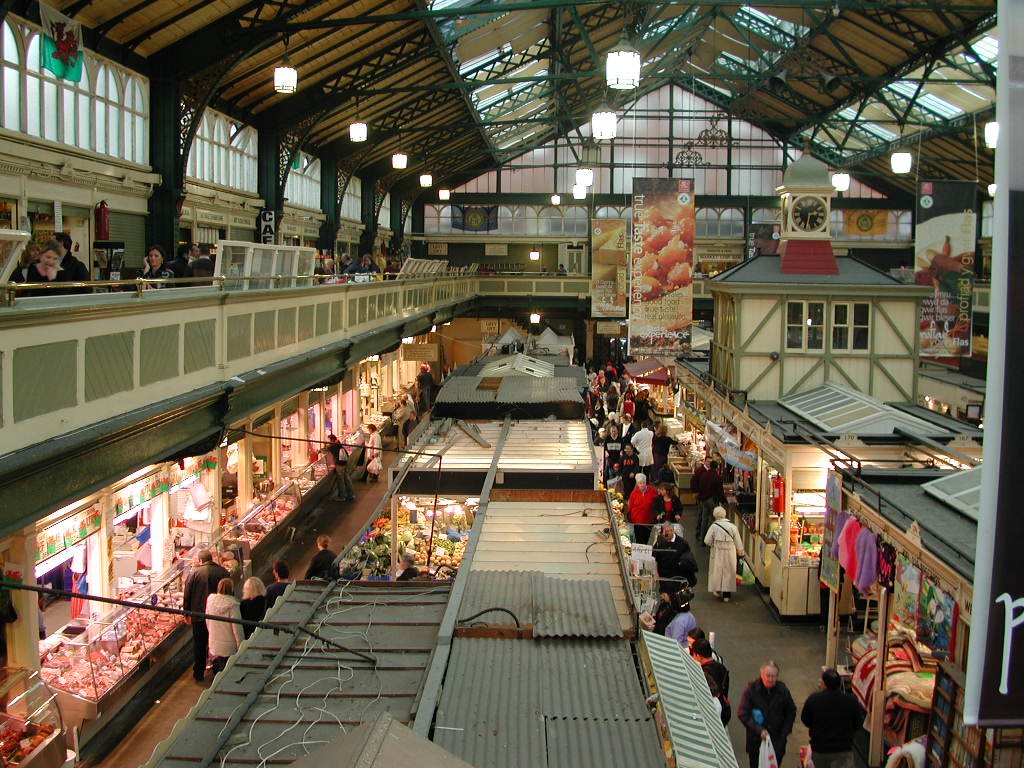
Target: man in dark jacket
[(767, 709), (675, 560), (833, 718), (200, 584), (707, 484), (74, 270), (282, 578), (322, 564), (715, 673)]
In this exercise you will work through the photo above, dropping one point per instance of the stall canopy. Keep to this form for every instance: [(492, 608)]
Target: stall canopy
[(649, 370), (695, 728)]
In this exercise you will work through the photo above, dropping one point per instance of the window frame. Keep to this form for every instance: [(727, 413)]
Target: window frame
[(805, 325), (851, 326)]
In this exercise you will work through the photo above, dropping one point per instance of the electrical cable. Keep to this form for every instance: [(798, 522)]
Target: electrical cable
[(490, 610)]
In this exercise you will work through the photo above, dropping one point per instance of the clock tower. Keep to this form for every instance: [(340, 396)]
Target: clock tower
[(806, 241)]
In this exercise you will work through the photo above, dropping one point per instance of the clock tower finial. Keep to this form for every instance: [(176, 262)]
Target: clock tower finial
[(806, 246)]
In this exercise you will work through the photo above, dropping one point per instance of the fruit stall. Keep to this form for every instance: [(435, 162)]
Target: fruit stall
[(435, 531)]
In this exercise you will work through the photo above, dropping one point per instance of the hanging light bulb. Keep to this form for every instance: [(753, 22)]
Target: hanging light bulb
[(622, 67), (426, 180), (357, 131), (579, 192), (286, 79), (991, 134), (901, 162), (535, 317), (991, 190), (841, 181), (556, 199), (399, 160), (444, 194), (584, 177), (534, 254), (602, 123)]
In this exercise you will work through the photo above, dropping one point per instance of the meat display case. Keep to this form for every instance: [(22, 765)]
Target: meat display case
[(30, 722), (88, 663)]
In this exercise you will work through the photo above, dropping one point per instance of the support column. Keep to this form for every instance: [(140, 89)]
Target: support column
[(832, 637), (368, 213), (23, 634), (419, 248), (329, 203), (164, 140), (268, 158), (399, 211), (876, 746)]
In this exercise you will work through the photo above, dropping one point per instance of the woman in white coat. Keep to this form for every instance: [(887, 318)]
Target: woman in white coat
[(225, 638), (726, 546)]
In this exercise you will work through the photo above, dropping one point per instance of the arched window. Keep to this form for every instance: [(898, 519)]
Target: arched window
[(303, 185), (224, 153), (106, 111)]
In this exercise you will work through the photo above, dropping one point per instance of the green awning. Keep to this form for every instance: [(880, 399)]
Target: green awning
[(698, 737)]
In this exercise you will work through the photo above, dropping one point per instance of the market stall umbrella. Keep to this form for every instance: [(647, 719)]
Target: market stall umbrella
[(649, 370)]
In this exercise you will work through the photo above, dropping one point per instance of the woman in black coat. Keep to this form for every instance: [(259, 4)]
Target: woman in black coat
[(254, 603)]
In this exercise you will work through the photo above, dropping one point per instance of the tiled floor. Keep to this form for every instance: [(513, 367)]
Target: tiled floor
[(746, 633)]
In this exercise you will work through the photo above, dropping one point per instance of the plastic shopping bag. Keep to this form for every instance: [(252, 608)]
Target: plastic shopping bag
[(767, 759)]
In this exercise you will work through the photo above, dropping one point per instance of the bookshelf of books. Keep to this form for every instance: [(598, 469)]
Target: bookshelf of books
[(951, 744)]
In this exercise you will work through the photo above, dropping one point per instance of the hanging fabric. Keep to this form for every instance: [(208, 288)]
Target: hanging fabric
[(937, 614), (906, 592), (886, 565), (866, 575)]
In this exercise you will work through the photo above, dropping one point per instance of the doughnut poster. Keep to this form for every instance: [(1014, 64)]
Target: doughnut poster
[(609, 280), (661, 267)]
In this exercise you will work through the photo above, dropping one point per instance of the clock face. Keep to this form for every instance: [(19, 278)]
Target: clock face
[(810, 214)]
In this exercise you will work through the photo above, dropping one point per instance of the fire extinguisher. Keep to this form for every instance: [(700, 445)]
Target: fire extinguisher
[(778, 495), (102, 220)]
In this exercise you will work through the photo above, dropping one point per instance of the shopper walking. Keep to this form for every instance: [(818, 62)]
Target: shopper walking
[(767, 709), (322, 565), (282, 578), (225, 637), (337, 462), (668, 506), (715, 673), (726, 546), (660, 447), (641, 509), (254, 603), (676, 563), (833, 718), (707, 484), (643, 441), (679, 628), (374, 465), (424, 388), (200, 584)]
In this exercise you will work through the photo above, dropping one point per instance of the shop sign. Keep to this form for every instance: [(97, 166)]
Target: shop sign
[(489, 327), (829, 573), (187, 213), (267, 222), (241, 221), (491, 249), (289, 229), (210, 217), (64, 534), (311, 230), (419, 352), (437, 249), (610, 328)]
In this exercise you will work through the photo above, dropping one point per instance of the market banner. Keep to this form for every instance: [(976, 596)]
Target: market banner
[(60, 51), (609, 279), (828, 573), (475, 218), (866, 222), (944, 261), (719, 440), (661, 267)]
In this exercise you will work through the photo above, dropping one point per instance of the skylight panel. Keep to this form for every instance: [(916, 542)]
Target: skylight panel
[(987, 48), (876, 130)]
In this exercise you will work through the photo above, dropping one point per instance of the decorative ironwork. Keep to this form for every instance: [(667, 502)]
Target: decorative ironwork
[(713, 136), (689, 157), (346, 170), (288, 149)]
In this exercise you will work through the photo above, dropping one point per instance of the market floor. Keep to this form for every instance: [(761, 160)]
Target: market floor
[(341, 521), (746, 631)]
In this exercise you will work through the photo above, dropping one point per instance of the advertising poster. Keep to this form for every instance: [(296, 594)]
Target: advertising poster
[(944, 261), (661, 267), (829, 572), (609, 281)]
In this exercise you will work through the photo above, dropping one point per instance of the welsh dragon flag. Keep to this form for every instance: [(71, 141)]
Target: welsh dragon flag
[(61, 52)]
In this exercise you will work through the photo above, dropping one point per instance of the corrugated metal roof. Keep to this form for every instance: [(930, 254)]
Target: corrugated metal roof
[(558, 538), (518, 365), (458, 450), (554, 606), (696, 730), (545, 703), (316, 693), (517, 390)]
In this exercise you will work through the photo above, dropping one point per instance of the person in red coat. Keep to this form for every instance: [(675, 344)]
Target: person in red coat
[(642, 513)]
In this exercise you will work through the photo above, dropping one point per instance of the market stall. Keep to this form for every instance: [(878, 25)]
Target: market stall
[(656, 376), (31, 729)]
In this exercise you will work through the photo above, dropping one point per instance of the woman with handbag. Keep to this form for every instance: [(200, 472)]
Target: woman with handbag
[(726, 546), (374, 465)]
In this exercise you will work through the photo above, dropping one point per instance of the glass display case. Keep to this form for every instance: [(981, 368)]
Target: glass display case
[(266, 515), (30, 722), (88, 659)]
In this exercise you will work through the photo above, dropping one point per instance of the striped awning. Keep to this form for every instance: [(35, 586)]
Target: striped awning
[(698, 737)]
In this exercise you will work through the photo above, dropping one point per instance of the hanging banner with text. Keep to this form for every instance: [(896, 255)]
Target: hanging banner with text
[(661, 267), (944, 261), (828, 573), (609, 280)]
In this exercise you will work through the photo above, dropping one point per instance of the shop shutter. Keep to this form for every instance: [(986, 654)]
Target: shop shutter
[(130, 228)]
